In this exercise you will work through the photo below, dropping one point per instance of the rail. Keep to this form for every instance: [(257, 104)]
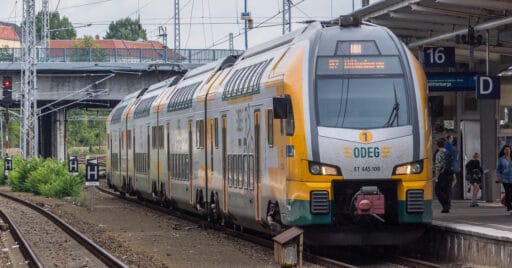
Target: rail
[(120, 55)]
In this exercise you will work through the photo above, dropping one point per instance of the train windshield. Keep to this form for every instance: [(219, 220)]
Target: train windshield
[(361, 102)]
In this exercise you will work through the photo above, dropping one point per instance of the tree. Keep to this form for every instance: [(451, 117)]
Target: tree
[(60, 28), (87, 50), (126, 29)]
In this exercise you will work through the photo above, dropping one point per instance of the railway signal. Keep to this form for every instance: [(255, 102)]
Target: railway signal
[(7, 90)]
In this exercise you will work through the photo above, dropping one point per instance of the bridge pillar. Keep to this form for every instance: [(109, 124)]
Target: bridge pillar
[(53, 135)]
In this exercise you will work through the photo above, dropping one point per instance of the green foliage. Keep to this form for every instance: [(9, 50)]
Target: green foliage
[(6, 53), (48, 177), (21, 172), (83, 132), (3, 179), (126, 29), (87, 50), (60, 28)]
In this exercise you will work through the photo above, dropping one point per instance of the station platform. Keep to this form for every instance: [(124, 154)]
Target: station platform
[(490, 219), (467, 236)]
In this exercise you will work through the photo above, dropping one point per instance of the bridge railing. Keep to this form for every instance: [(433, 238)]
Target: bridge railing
[(120, 55)]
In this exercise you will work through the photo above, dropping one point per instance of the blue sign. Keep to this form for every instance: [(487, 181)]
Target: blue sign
[(439, 57), (488, 87), (451, 81)]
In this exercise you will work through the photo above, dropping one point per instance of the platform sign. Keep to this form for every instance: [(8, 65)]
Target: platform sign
[(91, 173), (73, 165), (488, 87), (7, 165), (439, 57), (451, 81)]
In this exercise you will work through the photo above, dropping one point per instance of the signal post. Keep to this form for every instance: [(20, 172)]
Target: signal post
[(6, 102)]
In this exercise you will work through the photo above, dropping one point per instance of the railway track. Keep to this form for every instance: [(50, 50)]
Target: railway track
[(52, 241), (265, 240)]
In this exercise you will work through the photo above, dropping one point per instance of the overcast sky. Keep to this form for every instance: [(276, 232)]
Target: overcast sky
[(204, 23)]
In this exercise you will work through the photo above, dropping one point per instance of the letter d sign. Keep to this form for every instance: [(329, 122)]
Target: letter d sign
[(487, 87)]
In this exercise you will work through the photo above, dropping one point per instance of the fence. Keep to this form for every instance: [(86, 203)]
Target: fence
[(121, 55)]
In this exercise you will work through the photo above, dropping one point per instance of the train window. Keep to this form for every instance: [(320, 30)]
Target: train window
[(161, 137), (230, 170), (240, 81), (344, 102), (116, 117), (250, 176), (128, 139), (250, 76), (260, 72), (241, 166), (182, 97), (357, 48), (200, 133), (153, 137), (235, 171), (216, 132), (230, 81), (143, 107), (270, 127), (245, 177)]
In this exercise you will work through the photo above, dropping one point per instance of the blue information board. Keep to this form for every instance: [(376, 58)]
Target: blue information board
[(451, 81)]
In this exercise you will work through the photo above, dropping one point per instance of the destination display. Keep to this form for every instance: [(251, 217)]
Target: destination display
[(358, 65)]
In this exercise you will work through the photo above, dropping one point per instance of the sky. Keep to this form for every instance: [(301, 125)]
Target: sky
[(204, 23)]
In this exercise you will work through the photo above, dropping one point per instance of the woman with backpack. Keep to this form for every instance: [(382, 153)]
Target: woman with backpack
[(474, 177)]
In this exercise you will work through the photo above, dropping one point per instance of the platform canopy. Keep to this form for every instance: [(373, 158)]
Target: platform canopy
[(446, 23)]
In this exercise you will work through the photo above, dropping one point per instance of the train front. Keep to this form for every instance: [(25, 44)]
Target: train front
[(369, 167)]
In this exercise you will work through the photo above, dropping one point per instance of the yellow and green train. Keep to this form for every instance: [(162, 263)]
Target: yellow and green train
[(325, 128)]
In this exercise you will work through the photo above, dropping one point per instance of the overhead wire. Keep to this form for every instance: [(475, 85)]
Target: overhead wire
[(86, 4)]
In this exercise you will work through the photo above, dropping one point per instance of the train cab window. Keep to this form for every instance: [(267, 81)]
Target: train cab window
[(200, 133), (270, 127), (343, 102)]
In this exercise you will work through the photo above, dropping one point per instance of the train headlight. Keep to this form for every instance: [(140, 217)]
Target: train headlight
[(409, 168), (322, 169)]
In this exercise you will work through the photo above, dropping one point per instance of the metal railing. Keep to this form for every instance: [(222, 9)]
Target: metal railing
[(121, 55)]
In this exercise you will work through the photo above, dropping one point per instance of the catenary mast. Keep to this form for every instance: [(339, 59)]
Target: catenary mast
[(29, 129)]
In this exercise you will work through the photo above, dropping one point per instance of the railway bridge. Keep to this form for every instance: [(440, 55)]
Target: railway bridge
[(65, 81)]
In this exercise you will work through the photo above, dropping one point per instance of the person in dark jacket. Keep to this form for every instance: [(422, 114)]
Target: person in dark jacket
[(474, 177), (442, 177)]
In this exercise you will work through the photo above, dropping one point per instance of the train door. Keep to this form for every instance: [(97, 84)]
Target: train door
[(119, 175), (190, 161), (130, 144), (148, 159), (255, 170), (209, 146), (167, 176), (470, 145), (224, 164)]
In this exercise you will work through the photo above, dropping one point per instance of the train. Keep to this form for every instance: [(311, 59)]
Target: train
[(325, 128)]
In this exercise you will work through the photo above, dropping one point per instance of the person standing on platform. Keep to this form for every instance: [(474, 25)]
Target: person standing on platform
[(474, 177), (504, 174), (442, 177)]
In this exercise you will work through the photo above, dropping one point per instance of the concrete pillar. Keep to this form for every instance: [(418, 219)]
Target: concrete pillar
[(489, 150), (60, 134)]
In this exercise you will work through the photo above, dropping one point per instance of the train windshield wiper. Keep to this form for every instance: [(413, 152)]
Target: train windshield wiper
[(393, 116)]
